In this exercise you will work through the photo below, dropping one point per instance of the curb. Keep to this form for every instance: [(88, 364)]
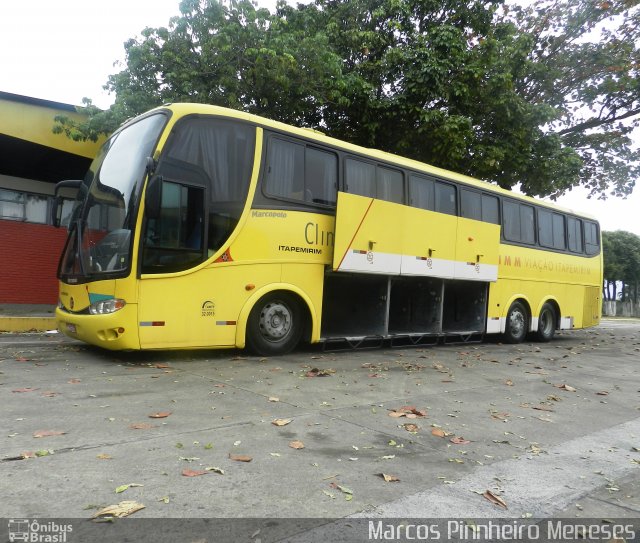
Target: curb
[(27, 324)]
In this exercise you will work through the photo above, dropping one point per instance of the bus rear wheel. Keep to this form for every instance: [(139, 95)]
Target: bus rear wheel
[(275, 324), (517, 324), (546, 323)]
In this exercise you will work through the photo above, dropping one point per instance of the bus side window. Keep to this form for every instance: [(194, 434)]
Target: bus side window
[(470, 204), (320, 176), (389, 185), (518, 222), (360, 177), (285, 169), (174, 240), (490, 209), (527, 224), (591, 239), (551, 229), (422, 192), (445, 198), (575, 235)]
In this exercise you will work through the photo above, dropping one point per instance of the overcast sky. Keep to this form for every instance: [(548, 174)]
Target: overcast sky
[(64, 50)]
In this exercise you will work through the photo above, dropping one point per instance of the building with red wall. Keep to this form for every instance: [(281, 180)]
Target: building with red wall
[(32, 160)]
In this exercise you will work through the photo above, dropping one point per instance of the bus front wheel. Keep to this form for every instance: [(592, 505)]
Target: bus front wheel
[(275, 324), (517, 324), (546, 323)]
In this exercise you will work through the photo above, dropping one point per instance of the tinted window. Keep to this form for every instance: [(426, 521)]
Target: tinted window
[(285, 170), (471, 204), (559, 241), (445, 198), (545, 228), (591, 238), (490, 209), (389, 185), (511, 221), (360, 177), (320, 176), (421, 192), (574, 231), (518, 222), (218, 155), (174, 240), (527, 233), (551, 229)]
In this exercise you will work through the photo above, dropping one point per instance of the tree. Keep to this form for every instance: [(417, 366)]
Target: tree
[(621, 251), (544, 97)]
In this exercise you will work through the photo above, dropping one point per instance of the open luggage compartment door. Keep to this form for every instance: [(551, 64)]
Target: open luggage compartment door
[(368, 235)]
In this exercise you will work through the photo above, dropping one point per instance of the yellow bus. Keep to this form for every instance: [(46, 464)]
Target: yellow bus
[(203, 227)]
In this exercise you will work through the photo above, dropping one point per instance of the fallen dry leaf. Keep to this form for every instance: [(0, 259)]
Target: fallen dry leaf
[(193, 473), (104, 456), (281, 422), (438, 432), (389, 478), (122, 509), (459, 441), (160, 415), (141, 426), (27, 389), (509, 382), (496, 500), (296, 445), (542, 408), (566, 387), (48, 433), (240, 457), (407, 411), (316, 372), (409, 427), (161, 366), (74, 381), (273, 399), (341, 488), (602, 393)]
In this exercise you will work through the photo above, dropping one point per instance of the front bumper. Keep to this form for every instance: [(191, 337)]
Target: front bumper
[(114, 331)]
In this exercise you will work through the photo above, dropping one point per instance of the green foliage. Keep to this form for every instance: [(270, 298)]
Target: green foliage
[(544, 96), (621, 252)]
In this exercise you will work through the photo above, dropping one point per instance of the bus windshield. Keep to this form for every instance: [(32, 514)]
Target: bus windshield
[(103, 218)]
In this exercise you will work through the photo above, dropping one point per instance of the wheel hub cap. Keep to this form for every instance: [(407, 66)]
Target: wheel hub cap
[(275, 321)]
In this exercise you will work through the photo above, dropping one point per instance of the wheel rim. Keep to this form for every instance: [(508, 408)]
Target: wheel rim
[(546, 322), (275, 321), (517, 323)]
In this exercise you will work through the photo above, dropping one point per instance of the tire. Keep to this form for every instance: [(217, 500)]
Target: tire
[(517, 324), (546, 323), (275, 324)]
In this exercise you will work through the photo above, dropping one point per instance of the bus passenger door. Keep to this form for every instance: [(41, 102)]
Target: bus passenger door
[(175, 306)]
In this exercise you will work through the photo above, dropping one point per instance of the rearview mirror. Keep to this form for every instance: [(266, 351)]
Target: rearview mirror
[(56, 208)]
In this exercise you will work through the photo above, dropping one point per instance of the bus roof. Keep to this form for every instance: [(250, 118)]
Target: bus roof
[(183, 109)]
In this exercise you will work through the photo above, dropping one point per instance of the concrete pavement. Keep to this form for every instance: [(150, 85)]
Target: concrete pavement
[(552, 429)]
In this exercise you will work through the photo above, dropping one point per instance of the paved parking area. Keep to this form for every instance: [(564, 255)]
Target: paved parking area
[(551, 429)]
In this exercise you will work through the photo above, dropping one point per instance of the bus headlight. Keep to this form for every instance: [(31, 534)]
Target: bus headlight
[(106, 306)]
